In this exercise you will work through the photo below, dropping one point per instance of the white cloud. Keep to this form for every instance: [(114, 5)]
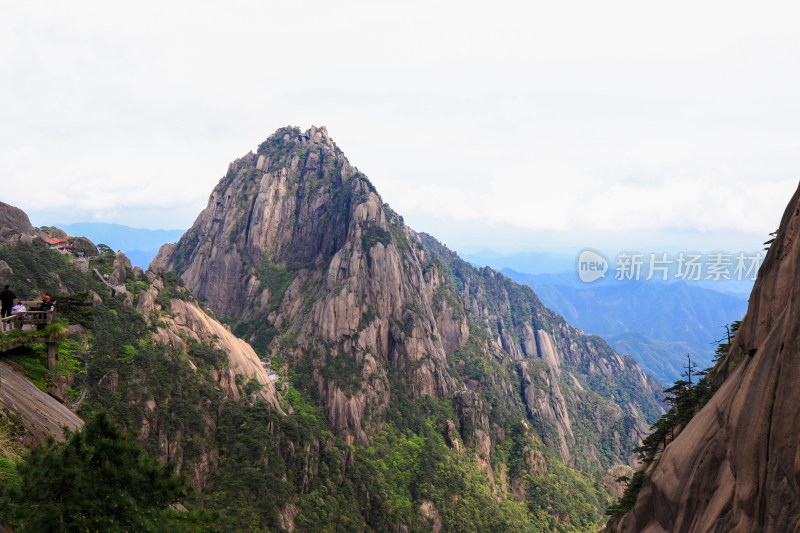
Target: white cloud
[(545, 116)]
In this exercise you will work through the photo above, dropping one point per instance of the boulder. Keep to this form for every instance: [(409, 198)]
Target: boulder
[(16, 219)]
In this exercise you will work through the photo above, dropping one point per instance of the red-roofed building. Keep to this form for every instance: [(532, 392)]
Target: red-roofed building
[(59, 244), (53, 242)]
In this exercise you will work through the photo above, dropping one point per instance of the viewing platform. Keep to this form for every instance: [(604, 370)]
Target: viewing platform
[(28, 323), (37, 319)]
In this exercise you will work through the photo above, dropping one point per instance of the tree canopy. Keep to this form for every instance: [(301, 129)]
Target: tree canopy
[(100, 479)]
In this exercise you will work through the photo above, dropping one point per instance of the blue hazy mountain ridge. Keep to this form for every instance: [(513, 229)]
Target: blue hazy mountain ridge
[(563, 262), (139, 244), (662, 359), (529, 262), (655, 322)]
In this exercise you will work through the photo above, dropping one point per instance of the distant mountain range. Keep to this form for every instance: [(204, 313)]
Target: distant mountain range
[(657, 323), (140, 245), (565, 262)]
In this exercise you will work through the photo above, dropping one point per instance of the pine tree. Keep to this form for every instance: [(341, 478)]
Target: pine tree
[(100, 479)]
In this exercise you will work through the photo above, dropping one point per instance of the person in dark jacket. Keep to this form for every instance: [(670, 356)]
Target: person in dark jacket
[(7, 301), (47, 303)]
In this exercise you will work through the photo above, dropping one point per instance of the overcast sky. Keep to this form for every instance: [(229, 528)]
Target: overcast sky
[(505, 125)]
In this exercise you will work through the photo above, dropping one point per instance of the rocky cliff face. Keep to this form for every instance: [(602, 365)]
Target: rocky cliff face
[(567, 378), (288, 204), (185, 322), (736, 465), (14, 220), (296, 244), (299, 252)]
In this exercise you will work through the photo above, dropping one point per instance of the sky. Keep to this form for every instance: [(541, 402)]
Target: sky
[(506, 126)]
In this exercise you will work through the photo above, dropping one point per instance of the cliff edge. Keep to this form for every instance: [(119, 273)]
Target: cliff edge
[(736, 465)]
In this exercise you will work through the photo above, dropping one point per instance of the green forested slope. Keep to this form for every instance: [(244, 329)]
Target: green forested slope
[(259, 469)]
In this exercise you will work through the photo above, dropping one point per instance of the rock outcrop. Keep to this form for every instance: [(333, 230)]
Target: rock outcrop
[(14, 219), (185, 321), (121, 267), (41, 415), (297, 248), (5, 272), (191, 322), (14, 225), (736, 465), (84, 246)]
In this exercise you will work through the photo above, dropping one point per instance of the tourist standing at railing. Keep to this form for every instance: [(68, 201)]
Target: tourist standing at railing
[(7, 301)]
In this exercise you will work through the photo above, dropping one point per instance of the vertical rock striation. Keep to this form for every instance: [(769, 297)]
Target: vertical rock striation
[(299, 253)]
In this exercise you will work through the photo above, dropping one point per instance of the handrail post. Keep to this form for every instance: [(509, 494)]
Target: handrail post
[(52, 352)]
